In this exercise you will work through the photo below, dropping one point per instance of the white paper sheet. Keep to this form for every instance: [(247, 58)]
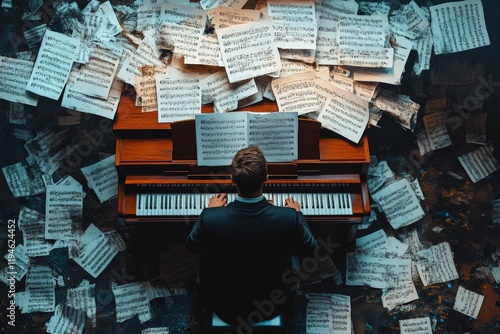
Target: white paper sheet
[(435, 264), (15, 74), (296, 93), (415, 326), (66, 320), (102, 177), (435, 127), (40, 290), (479, 163), (399, 295), (63, 211), (131, 300), (468, 302)]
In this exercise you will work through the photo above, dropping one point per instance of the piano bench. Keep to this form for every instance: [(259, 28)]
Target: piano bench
[(273, 326)]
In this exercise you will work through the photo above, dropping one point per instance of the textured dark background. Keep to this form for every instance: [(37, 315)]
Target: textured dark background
[(460, 207)]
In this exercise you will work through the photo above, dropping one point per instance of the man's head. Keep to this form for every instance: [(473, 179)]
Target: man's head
[(249, 170)]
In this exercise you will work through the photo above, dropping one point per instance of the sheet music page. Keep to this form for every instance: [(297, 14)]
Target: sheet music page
[(392, 74), (182, 28), (424, 46), (373, 243), (179, 96), (17, 179), (219, 137), (362, 41), (222, 17), (365, 90), (435, 264), (377, 272), (143, 55), (276, 134), (93, 105), (32, 225), (291, 67), (210, 4), (63, 211), (476, 129), (216, 87), (102, 177), (479, 163), (148, 16), (209, 52), (435, 127), (294, 23), (248, 50), (395, 248), (96, 77), (83, 298), (415, 326), (379, 174), (145, 89), (399, 295), (410, 20), (399, 204), (66, 320), (95, 251), (328, 14), (131, 300), (15, 74), (155, 330), (296, 93), (400, 106), (344, 112), (328, 313), (458, 26), (40, 290), (468, 302), (53, 65)]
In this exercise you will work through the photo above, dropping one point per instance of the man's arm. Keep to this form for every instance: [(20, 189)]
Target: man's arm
[(195, 239), (305, 241)]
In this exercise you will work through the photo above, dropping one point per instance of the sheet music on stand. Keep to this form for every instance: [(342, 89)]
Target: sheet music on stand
[(220, 136)]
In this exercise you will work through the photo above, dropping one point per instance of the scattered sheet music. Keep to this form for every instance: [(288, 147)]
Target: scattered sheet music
[(468, 302), (15, 74), (415, 326), (66, 320), (435, 264), (328, 313), (479, 163), (102, 177), (40, 293), (131, 300)]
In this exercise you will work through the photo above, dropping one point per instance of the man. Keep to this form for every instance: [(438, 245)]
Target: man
[(246, 246)]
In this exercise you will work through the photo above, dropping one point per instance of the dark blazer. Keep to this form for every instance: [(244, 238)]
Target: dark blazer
[(246, 251)]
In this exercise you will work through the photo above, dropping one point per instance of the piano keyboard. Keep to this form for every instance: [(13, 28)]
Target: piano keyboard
[(171, 204)]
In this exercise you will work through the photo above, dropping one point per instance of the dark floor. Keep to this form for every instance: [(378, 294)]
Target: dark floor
[(460, 209)]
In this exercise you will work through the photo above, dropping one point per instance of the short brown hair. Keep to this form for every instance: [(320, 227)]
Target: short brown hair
[(249, 170)]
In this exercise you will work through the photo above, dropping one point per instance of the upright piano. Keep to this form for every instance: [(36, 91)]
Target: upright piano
[(160, 181)]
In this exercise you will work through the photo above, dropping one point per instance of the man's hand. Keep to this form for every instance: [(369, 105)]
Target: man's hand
[(291, 203), (217, 200)]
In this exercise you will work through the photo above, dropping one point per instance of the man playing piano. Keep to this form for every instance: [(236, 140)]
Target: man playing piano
[(246, 247)]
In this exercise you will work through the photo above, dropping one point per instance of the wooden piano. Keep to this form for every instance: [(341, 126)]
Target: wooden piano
[(160, 182)]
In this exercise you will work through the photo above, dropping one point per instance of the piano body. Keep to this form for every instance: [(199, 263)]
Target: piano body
[(160, 182)]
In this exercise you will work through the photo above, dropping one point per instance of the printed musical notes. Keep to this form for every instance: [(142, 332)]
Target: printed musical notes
[(479, 163), (53, 65), (458, 26), (468, 302), (15, 74), (435, 264), (220, 136)]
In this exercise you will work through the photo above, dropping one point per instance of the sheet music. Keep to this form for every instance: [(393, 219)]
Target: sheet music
[(131, 300), (379, 174), (424, 46), (373, 243), (400, 106), (495, 210), (377, 272), (392, 74), (83, 298), (362, 41), (399, 295), (479, 163), (435, 128), (17, 179), (399, 204), (15, 74), (93, 105), (222, 17), (468, 302), (148, 16), (328, 313), (415, 326), (458, 26), (95, 251), (53, 65), (435, 264), (209, 4), (32, 225), (329, 13), (296, 93), (216, 87), (410, 20), (220, 136), (63, 210), (66, 320), (476, 129), (143, 55), (344, 112), (276, 134), (294, 23), (102, 177), (179, 96), (395, 248), (248, 50), (96, 77), (40, 290)]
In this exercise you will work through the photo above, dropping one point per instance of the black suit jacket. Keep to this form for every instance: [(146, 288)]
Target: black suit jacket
[(245, 251)]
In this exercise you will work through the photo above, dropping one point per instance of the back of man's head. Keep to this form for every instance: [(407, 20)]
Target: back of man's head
[(249, 170)]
